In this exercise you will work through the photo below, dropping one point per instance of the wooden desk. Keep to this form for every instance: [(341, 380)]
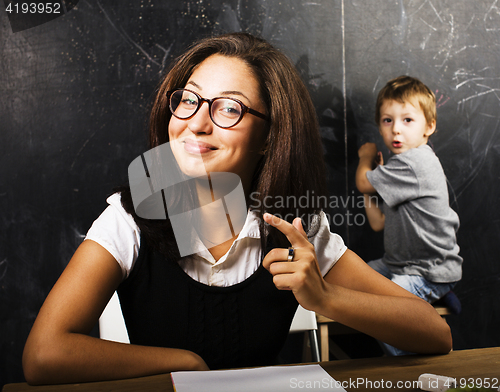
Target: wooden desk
[(480, 363)]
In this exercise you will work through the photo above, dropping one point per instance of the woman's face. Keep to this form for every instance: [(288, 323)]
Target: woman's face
[(200, 146)]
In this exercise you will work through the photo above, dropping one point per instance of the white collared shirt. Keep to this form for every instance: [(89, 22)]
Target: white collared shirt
[(116, 231)]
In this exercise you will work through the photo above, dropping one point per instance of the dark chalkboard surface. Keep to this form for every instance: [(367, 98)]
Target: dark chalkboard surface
[(74, 96)]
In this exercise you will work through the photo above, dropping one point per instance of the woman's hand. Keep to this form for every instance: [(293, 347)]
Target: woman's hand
[(356, 295), (302, 275)]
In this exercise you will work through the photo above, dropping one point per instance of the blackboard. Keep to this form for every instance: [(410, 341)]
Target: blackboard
[(74, 97)]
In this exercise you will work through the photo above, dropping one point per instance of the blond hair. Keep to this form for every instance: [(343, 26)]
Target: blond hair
[(403, 89)]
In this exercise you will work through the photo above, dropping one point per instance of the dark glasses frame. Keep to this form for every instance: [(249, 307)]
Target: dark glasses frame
[(244, 108)]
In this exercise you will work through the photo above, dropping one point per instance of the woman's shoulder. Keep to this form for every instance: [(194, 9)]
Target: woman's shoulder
[(117, 232), (115, 205)]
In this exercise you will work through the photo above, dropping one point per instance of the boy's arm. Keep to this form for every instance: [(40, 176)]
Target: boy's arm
[(376, 218), (367, 161)]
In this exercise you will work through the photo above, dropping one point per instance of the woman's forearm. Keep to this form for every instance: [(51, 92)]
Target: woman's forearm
[(74, 357), (410, 324), (354, 294), (59, 350)]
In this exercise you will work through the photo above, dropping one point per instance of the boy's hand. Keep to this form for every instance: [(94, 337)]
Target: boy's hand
[(368, 151), (369, 158)]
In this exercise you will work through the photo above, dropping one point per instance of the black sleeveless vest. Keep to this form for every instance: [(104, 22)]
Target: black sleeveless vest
[(237, 326)]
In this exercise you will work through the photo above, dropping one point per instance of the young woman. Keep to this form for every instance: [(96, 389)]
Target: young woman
[(230, 104)]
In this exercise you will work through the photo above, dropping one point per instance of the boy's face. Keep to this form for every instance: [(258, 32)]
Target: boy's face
[(403, 125)]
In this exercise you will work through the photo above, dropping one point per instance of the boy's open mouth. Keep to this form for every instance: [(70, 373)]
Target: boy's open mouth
[(396, 144)]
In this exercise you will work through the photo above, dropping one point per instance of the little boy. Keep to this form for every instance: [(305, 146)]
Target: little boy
[(421, 251)]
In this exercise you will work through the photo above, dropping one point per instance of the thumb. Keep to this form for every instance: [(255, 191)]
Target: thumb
[(297, 223), (380, 158)]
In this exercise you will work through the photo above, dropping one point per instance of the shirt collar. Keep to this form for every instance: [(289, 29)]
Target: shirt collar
[(250, 230), (251, 226)]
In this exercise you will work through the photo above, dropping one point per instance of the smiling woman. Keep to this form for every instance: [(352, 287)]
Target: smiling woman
[(234, 148), (230, 304)]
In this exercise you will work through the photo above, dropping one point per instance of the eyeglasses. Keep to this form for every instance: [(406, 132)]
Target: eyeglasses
[(224, 112)]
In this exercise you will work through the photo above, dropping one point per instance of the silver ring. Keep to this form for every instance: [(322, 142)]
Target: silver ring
[(291, 253)]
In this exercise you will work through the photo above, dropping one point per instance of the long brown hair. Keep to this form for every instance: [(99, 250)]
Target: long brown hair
[(293, 163)]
